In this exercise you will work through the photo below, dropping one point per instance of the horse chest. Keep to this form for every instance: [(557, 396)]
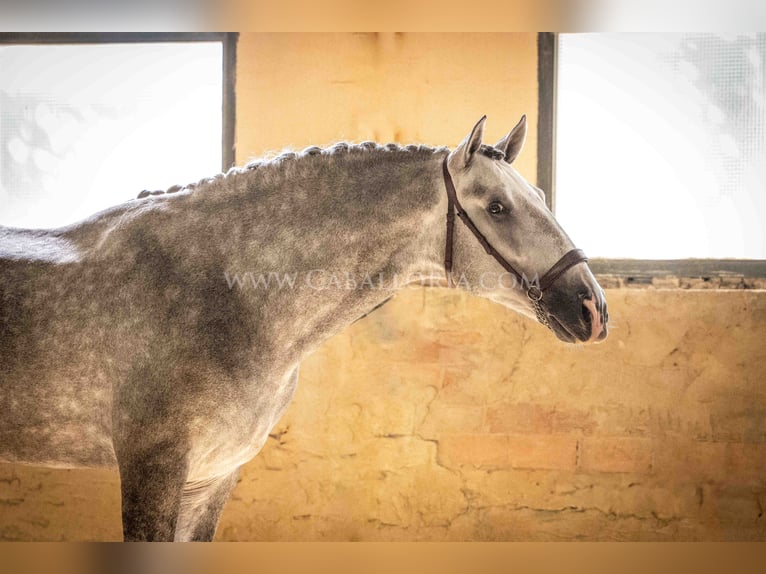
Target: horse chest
[(240, 430)]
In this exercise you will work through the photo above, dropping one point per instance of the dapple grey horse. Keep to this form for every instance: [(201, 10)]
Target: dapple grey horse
[(131, 340)]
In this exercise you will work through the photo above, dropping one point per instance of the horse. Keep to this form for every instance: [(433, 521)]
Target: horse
[(152, 337)]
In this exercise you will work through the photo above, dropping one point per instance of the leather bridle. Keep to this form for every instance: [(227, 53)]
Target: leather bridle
[(535, 290)]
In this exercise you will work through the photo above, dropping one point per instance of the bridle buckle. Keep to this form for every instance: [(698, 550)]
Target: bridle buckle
[(534, 293)]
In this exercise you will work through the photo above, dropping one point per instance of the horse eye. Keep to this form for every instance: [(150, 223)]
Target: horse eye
[(495, 208)]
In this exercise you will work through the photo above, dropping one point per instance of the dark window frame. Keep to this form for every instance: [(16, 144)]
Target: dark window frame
[(625, 271), (228, 41)]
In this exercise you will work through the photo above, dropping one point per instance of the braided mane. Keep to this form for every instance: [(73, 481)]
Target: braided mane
[(280, 164)]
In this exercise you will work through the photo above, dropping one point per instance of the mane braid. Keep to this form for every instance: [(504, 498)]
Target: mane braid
[(288, 158)]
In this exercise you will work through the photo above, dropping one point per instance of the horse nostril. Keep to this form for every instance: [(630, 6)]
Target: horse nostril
[(592, 318), (603, 311)]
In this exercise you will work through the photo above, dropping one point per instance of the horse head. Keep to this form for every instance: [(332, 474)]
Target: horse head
[(511, 249)]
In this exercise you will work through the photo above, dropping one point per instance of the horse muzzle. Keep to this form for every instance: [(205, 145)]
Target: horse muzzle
[(582, 317)]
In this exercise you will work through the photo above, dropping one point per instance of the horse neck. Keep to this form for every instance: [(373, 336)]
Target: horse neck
[(381, 219), (373, 213)]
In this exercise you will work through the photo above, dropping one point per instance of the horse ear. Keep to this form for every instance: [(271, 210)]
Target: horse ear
[(512, 144), (471, 144)]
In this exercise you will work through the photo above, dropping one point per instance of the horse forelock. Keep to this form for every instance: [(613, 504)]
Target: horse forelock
[(491, 152)]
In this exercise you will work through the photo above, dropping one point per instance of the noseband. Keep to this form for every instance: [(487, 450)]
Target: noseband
[(535, 291)]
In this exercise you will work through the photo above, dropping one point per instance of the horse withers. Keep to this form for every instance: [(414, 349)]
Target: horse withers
[(163, 336)]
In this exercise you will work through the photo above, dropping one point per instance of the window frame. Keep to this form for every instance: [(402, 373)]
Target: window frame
[(228, 42), (678, 273)]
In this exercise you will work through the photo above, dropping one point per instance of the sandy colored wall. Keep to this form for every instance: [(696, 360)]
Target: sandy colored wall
[(445, 417), (315, 89)]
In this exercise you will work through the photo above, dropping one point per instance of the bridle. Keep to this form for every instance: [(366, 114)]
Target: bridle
[(535, 290)]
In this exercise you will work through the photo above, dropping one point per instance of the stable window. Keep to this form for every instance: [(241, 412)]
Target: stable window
[(660, 143), (88, 121)]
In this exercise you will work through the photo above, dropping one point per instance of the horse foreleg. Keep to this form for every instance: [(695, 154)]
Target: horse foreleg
[(151, 482), (201, 506)]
